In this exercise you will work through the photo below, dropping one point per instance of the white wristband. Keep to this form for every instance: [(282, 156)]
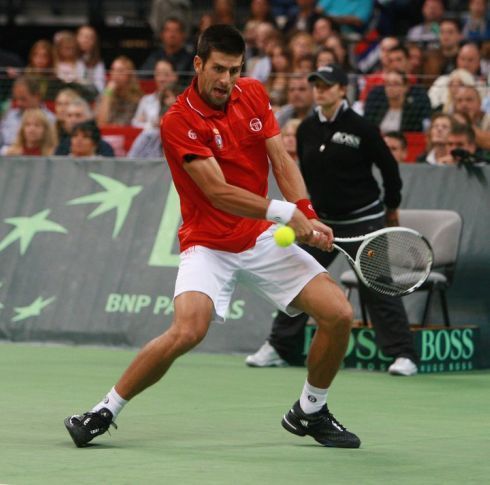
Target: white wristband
[(280, 211)]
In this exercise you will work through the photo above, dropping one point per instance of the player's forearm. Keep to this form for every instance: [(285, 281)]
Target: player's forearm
[(238, 201)]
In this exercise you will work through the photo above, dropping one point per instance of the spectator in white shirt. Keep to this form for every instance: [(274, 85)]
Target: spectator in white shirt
[(148, 112)]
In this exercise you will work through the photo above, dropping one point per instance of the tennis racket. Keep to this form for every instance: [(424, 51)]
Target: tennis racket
[(393, 261)]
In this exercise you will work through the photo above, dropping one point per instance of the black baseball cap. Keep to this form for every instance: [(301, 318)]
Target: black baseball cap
[(330, 74)]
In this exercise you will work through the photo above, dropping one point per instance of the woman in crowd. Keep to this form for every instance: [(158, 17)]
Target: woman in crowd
[(277, 84), (397, 106), (84, 139), (437, 151), (90, 68), (65, 56), (148, 143), (36, 136), (443, 91), (120, 98), (40, 66), (148, 112), (61, 102), (288, 134), (300, 44)]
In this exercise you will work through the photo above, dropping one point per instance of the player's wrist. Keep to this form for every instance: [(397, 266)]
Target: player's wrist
[(306, 207), (280, 211)]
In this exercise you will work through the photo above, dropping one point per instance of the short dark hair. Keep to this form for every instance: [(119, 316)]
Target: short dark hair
[(401, 48), (31, 84), (398, 135), (222, 38), (463, 129), (452, 20), (88, 128)]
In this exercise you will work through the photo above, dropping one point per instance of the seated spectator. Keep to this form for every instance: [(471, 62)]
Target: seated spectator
[(90, 68), (428, 31), (79, 111), (352, 16), (36, 136), (323, 28), (84, 140), (288, 135), (324, 57), (443, 91), (277, 84), (26, 93), (443, 60), (260, 11), (437, 136), (397, 143), (148, 143), (173, 49), (341, 49), (40, 67), (120, 98), (398, 106), (303, 18), (415, 59), (148, 112), (300, 100), (61, 102), (305, 64), (461, 137), (300, 44), (467, 102), (267, 37), (223, 12), (251, 50), (377, 78), (65, 56), (477, 26)]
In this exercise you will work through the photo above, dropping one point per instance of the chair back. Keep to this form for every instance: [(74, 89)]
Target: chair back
[(442, 228)]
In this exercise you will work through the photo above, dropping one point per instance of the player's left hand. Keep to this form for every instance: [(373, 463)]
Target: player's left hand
[(322, 237), (392, 217)]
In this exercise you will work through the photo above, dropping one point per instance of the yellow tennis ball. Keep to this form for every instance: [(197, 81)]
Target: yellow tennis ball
[(284, 236)]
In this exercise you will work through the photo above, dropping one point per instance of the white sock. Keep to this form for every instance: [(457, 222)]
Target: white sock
[(312, 398), (113, 402)]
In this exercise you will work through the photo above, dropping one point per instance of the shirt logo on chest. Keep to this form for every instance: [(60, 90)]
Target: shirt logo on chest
[(255, 124), (192, 135), (341, 138)]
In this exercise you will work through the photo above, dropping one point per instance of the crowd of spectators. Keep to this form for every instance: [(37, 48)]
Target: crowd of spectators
[(428, 77)]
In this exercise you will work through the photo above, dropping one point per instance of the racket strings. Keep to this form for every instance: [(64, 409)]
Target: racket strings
[(393, 263)]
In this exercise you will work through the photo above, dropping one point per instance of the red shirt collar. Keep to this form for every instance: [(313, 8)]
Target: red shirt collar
[(195, 102)]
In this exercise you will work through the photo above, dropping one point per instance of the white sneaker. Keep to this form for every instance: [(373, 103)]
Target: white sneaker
[(266, 356), (402, 367)]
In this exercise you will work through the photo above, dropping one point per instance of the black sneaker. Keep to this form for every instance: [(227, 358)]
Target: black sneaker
[(321, 426), (86, 427)]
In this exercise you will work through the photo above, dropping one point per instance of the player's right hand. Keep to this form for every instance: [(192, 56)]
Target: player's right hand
[(311, 231)]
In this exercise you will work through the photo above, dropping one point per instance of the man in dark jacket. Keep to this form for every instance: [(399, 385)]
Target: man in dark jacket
[(337, 149)]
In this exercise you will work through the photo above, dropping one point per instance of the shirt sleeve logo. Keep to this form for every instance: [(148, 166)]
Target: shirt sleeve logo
[(192, 135), (255, 124)]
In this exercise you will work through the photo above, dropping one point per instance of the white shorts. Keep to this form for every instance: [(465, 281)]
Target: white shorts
[(277, 274)]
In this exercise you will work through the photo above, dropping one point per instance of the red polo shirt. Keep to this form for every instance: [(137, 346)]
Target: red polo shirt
[(236, 138)]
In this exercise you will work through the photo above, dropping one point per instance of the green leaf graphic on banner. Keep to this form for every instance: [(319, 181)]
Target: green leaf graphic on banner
[(27, 227), (32, 310), (117, 196)]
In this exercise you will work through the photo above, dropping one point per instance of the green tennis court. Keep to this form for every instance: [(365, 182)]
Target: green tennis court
[(214, 421)]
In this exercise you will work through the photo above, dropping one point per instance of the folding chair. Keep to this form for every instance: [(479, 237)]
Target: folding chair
[(442, 228)]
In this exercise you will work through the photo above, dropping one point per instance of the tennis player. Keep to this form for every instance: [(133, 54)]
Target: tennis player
[(218, 138)]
